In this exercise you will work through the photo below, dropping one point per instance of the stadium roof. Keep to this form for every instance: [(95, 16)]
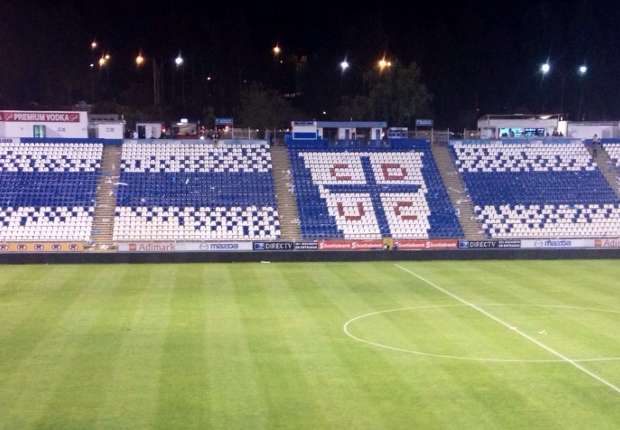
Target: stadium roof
[(351, 124)]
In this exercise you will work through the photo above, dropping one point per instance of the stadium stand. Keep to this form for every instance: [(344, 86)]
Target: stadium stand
[(370, 190), (47, 189), (537, 189), (195, 191), (613, 149)]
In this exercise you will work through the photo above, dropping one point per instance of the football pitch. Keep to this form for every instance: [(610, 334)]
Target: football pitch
[(409, 345)]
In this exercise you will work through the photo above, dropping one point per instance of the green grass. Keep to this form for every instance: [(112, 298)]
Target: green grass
[(257, 346)]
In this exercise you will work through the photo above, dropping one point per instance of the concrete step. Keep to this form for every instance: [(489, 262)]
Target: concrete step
[(457, 192), (606, 166), (103, 220), (287, 202)]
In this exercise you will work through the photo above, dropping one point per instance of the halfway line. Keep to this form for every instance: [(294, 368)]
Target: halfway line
[(513, 328)]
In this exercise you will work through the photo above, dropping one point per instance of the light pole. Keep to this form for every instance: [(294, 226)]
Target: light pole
[(179, 61), (545, 68), (582, 71)]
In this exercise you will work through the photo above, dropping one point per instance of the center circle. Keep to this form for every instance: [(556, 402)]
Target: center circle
[(453, 335)]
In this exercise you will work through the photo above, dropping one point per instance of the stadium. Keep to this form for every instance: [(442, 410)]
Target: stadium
[(331, 273)]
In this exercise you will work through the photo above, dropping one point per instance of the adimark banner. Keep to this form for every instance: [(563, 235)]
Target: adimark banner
[(611, 243), (164, 247)]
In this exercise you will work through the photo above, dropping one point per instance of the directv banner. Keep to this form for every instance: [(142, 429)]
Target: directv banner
[(557, 243), (159, 247), (490, 244), (285, 246), (274, 246)]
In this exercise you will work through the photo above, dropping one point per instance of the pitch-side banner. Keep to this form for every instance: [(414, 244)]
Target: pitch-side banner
[(612, 242), (489, 244), (413, 244), (351, 245), (162, 247), (35, 247), (556, 243)]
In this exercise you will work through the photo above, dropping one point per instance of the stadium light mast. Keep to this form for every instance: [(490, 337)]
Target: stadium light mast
[(140, 60), (384, 64), (178, 61), (582, 70)]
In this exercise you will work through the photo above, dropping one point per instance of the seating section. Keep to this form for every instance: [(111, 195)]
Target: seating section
[(613, 149), (195, 191), (47, 189), (537, 189), (370, 191)]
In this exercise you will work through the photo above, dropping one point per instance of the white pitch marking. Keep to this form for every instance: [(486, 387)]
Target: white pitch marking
[(515, 329), (347, 331)]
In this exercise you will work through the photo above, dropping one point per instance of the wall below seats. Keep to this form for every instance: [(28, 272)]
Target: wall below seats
[(302, 256)]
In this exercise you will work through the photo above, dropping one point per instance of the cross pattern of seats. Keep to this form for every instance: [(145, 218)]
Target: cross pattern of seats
[(199, 158), (520, 157), (595, 220), (375, 194), (200, 222), (46, 223), (57, 157)]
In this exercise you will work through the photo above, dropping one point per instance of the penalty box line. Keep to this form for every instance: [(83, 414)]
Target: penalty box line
[(513, 328)]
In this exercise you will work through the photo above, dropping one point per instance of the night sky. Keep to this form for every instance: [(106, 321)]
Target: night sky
[(475, 58)]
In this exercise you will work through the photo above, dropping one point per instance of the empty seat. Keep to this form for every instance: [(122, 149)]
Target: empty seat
[(47, 190), (196, 191), (537, 189), (357, 191)]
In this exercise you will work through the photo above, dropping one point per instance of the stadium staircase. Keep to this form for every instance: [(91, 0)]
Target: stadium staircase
[(457, 192), (606, 166), (103, 220), (287, 203)]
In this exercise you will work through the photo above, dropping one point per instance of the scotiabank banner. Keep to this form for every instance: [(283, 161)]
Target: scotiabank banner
[(607, 243), (34, 247), (348, 245), (184, 246), (413, 244), (39, 116)]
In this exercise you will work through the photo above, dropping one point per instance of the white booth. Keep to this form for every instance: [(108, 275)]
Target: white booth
[(520, 125), (107, 130), (149, 130), (338, 130), (587, 129)]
